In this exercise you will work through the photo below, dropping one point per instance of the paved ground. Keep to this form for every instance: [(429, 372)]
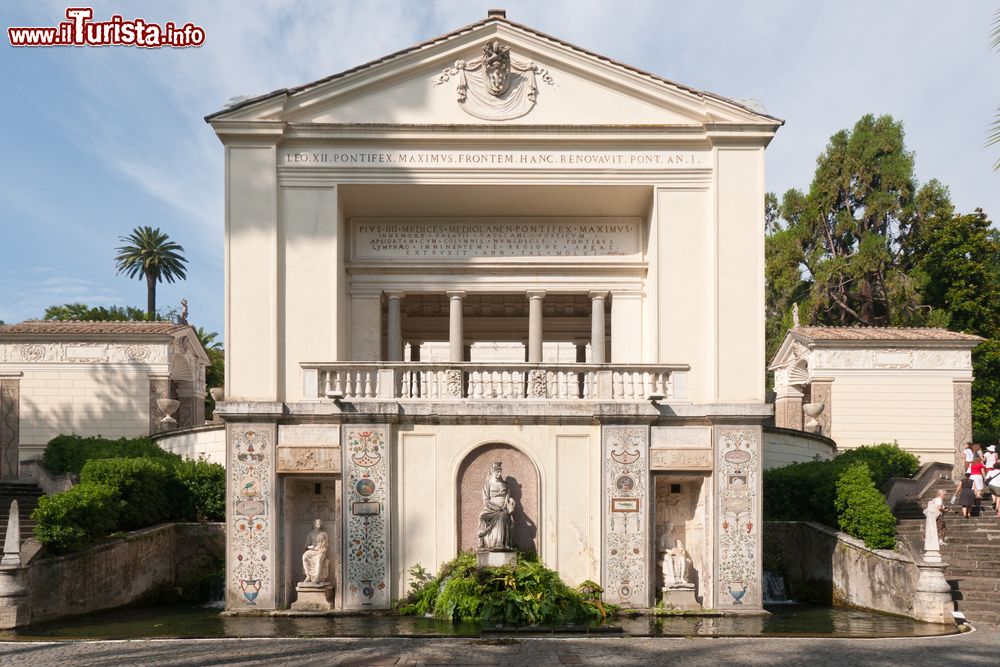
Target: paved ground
[(978, 648)]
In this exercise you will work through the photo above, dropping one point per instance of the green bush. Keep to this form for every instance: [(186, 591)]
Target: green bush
[(526, 594), (808, 491), (69, 453), (148, 491), (71, 520), (205, 485), (861, 509)]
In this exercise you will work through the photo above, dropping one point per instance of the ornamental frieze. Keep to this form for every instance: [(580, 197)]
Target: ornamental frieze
[(83, 353)]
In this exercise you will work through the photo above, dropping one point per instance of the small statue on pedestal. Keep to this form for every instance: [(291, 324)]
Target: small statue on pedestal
[(314, 592), (315, 560), (678, 589)]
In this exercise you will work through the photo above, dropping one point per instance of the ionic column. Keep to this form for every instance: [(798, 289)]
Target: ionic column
[(597, 301), (456, 331), (394, 344), (535, 326)]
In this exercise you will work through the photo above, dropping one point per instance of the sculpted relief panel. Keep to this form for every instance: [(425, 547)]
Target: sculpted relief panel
[(121, 353)]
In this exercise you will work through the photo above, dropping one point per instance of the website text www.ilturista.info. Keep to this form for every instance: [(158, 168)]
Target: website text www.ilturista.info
[(80, 30)]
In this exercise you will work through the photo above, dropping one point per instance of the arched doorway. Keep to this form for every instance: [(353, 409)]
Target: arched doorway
[(522, 479)]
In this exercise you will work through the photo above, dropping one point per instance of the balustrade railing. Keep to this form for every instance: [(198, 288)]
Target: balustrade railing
[(494, 381)]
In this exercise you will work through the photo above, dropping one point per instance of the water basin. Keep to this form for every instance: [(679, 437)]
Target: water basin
[(190, 622)]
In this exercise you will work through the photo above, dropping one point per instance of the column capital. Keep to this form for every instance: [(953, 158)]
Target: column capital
[(394, 293), (598, 294), (535, 293), (456, 294)]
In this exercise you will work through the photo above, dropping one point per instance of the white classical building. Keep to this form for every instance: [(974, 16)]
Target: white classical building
[(93, 378), (494, 247), (868, 385)]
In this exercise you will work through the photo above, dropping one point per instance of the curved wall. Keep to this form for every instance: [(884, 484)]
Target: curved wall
[(783, 446)]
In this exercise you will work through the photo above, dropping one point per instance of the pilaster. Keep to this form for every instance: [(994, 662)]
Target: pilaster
[(367, 495), (10, 425), (626, 549), (738, 544)]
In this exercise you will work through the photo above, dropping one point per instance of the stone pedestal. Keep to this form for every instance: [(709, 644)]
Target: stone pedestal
[(496, 558), (932, 602), (15, 610), (680, 597), (313, 597)]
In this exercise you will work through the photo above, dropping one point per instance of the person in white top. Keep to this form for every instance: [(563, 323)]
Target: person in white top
[(969, 455), (990, 458), (993, 482)]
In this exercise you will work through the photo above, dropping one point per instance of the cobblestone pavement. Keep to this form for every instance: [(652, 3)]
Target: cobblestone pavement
[(978, 648)]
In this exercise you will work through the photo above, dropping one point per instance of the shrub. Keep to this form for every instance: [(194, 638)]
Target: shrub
[(861, 509), (808, 491), (71, 520), (148, 491), (526, 594), (205, 485), (69, 453)]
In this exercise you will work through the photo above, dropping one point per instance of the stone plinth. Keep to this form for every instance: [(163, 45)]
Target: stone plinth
[(680, 597), (932, 602), (496, 558), (313, 597), (15, 610)]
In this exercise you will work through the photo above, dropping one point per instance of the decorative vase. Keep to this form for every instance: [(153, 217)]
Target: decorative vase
[(168, 406), (218, 394), (812, 411)]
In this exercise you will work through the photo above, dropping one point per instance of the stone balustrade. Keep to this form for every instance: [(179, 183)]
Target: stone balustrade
[(494, 381)]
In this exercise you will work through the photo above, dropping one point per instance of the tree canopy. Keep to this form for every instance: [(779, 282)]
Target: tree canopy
[(149, 254), (867, 244)]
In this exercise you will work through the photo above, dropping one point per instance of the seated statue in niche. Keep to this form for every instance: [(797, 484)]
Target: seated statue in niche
[(315, 560), (675, 565), (495, 521)]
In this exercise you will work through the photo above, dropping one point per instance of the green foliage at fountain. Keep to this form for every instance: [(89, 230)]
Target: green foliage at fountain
[(526, 594), (810, 492), (124, 485)]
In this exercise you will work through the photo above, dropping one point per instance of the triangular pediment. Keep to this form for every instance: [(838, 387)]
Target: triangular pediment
[(536, 80)]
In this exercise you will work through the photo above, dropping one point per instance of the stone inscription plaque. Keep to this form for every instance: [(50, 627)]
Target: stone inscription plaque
[(476, 238)]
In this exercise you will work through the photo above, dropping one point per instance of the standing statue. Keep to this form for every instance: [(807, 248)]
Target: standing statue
[(934, 525), (495, 521), (315, 560)]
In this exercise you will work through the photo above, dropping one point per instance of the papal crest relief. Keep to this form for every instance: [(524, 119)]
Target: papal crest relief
[(495, 86)]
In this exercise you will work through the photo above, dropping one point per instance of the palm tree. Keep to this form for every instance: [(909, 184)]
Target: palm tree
[(149, 253), (208, 339)]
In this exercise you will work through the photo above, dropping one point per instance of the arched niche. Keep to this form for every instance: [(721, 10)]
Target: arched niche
[(522, 479)]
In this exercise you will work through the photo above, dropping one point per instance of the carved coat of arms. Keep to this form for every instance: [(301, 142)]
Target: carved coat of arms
[(495, 86)]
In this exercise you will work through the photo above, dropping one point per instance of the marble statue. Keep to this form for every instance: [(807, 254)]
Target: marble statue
[(675, 564), (932, 541), (495, 521), (315, 560)]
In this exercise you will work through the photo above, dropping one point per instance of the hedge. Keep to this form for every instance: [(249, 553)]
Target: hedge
[(147, 489), (72, 520), (69, 453), (144, 490), (808, 491), (862, 511)]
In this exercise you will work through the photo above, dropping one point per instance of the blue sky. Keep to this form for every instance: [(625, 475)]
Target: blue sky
[(98, 140)]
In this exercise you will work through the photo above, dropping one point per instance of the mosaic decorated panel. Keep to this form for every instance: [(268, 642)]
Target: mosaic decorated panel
[(250, 562), (738, 543), (10, 427), (626, 499), (366, 473)]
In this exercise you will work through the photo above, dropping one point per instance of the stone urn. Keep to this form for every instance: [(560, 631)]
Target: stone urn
[(812, 411), (168, 406), (218, 394)]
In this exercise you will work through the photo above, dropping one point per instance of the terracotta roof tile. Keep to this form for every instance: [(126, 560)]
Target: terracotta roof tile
[(74, 327), (882, 334)]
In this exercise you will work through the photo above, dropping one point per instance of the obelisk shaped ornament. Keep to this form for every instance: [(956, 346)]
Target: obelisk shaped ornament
[(12, 541)]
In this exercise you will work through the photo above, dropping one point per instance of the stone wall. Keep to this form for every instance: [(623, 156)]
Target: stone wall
[(193, 443), (823, 566), (784, 446), (138, 566)]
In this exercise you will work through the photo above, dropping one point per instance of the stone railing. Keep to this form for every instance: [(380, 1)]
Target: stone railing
[(492, 381)]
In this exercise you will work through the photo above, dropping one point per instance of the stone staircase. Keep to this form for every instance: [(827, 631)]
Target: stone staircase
[(972, 552), (26, 494)]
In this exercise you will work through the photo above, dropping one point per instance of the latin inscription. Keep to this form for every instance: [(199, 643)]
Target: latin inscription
[(467, 239), (485, 159)]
